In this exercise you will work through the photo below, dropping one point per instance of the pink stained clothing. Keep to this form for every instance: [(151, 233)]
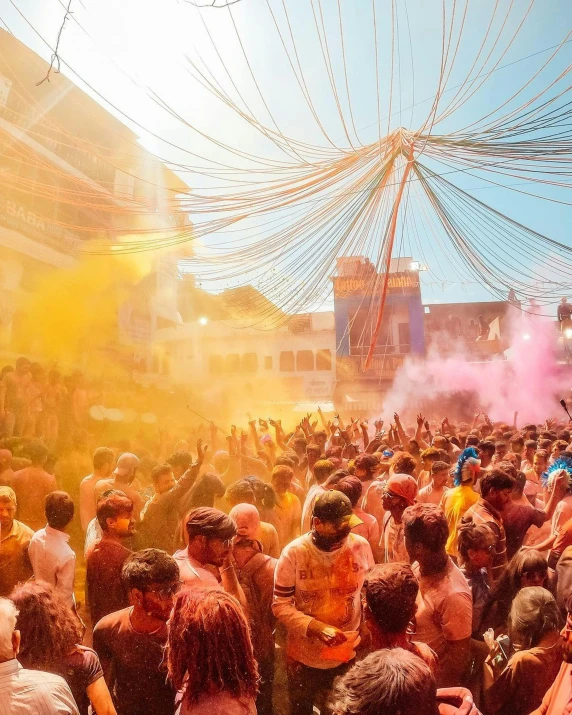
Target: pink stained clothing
[(325, 585), (193, 573), (558, 700), (431, 495), (562, 514), (219, 704), (369, 529), (444, 608), (313, 495), (393, 541), (372, 502), (364, 488)]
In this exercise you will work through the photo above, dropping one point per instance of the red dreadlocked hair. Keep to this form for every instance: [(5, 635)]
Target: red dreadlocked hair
[(209, 649)]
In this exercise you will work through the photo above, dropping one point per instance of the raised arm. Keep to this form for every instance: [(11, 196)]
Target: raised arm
[(400, 431), (364, 426), (280, 436), (253, 432)]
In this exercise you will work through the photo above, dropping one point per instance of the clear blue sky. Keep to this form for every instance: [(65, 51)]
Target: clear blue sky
[(134, 45)]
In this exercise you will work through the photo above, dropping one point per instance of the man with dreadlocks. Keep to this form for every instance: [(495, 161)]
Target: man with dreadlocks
[(456, 501)]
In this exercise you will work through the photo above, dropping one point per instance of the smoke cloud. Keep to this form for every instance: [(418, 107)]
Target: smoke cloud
[(527, 381)]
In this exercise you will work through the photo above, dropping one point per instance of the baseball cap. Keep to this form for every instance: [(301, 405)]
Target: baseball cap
[(402, 485), (334, 506), (125, 464)]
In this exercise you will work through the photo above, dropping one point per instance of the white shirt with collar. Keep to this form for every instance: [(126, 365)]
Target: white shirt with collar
[(32, 692), (53, 560)]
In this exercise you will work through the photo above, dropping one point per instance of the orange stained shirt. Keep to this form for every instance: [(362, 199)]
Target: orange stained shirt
[(15, 566)]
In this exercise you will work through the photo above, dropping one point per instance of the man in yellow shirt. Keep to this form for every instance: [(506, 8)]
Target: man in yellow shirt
[(287, 514), (456, 501)]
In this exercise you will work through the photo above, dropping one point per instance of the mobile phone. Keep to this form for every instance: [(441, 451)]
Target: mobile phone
[(504, 645)]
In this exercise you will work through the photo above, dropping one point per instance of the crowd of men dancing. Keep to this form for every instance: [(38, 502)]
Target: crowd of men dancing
[(323, 566)]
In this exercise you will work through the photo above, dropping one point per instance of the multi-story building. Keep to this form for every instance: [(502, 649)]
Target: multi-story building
[(241, 367), (357, 295), (57, 145), (314, 357)]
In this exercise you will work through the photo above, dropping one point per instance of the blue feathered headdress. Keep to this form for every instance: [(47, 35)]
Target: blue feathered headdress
[(559, 464), (468, 456)]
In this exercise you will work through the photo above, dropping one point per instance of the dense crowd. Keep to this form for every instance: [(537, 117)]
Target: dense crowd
[(331, 566)]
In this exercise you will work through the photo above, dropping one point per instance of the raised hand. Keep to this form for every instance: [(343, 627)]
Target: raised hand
[(201, 450), (420, 420), (232, 446)]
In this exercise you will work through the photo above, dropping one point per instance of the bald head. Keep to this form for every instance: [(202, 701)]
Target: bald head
[(247, 520)]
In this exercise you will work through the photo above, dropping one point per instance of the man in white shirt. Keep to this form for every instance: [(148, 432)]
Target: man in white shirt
[(24, 692), (52, 558), (317, 596), (103, 465), (444, 602), (210, 533)]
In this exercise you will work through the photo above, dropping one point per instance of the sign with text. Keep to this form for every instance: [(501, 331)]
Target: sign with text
[(315, 387), (16, 216), (405, 282)]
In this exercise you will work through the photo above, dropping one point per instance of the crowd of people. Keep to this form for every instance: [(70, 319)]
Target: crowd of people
[(329, 566)]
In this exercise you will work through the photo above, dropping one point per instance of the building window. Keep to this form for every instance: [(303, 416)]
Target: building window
[(215, 364), (232, 363), (404, 337), (304, 360), (250, 362), (268, 362), (287, 361), (361, 330), (324, 360)]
